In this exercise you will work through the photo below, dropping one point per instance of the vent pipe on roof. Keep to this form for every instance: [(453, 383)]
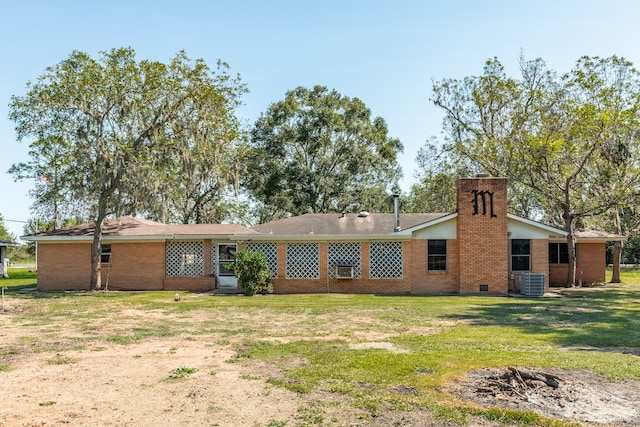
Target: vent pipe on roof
[(396, 213)]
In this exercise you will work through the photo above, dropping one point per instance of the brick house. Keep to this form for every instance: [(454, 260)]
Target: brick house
[(479, 249)]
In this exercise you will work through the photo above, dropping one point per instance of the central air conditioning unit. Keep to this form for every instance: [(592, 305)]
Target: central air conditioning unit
[(532, 284), (344, 272)]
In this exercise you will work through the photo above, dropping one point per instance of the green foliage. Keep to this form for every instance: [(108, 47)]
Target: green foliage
[(252, 271), (115, 136), (567, 142), (318, 151), (61, 359), (182, 372), (20, 278), (436, 339), (4, 233)]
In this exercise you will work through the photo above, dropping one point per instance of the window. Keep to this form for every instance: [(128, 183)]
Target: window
[(385, 260), (303, 261), (226, 255), (105, 256), (520, 255), (270, 251), (344, 254), (185, 259), (437, 255), (558, 253)]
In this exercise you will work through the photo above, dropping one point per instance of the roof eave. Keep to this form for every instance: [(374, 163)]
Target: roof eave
[(329, 237)]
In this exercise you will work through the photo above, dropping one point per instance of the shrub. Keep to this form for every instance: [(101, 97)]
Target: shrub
[(252, 271)]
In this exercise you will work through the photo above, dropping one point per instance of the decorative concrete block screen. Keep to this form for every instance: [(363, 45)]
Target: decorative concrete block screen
[(185, 259), (385, 260), (344, 253), (270, 251), (303, 261)]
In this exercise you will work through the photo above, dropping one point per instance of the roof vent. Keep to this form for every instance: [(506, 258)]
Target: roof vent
[(363, 214)]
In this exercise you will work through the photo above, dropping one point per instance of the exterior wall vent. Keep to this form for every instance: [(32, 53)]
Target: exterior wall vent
[(344, 272)]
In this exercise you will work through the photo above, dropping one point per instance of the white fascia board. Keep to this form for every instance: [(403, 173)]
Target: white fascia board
[(589, 239), (231, 237), (149, 238), (548, 228), (79, 239), (328, 237), (411, 230)]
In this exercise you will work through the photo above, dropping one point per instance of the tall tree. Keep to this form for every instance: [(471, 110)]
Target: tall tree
[(434, 190), (104, 127), (318, 151), (5, 234), (570, 139)]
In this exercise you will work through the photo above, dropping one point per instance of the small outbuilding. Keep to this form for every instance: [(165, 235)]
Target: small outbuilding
[(4, 261)]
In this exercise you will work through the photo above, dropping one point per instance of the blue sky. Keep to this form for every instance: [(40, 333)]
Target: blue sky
[(387, 53)]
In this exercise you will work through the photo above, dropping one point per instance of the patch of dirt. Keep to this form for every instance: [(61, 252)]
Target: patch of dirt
[(571, 395), (70, 372)]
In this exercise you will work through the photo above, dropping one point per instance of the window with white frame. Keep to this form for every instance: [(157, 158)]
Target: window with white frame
[(270, 251), (520, 255), (344, 254), (303, 261), (185, 259), (385, 260)]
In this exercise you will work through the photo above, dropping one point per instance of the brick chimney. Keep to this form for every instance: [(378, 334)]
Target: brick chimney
[(482, 234)]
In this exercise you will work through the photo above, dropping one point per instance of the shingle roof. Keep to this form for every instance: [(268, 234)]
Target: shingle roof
[(130, 226), (347, 224), (595, 234)]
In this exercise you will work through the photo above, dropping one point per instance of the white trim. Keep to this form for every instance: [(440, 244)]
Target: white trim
[(140, 238), (436, 221), (390, 237), (555, 231)]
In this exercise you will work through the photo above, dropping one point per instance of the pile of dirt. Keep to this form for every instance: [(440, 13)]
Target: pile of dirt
[(572, 395)]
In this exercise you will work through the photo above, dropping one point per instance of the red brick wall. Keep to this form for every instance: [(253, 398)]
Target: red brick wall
[(204, 283), (482, 238), (64, 266), (539, 262), (591, 266), (434, 282), (325, 284), (135, 266)]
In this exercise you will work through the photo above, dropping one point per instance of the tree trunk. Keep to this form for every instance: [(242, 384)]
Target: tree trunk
[(617, 254), (571, 240), (96, 247), (617, 249)]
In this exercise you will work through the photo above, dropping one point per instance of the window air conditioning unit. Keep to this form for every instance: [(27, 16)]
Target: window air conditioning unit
[(344, 271)]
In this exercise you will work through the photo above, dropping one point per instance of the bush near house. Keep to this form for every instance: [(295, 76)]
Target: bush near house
[(252, 271)]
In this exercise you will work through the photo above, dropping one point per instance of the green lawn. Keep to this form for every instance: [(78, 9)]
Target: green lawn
[(441, 337)]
